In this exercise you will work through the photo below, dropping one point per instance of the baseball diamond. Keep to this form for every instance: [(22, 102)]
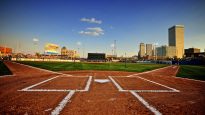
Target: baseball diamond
[(39, 91)]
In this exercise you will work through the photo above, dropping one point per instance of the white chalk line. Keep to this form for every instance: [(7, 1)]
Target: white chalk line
[(184, 78), (173, 67), (2, 76), (42, 69), (173, 89), (87, 87), (146, 104), (52, 90), (63, 103), (152, 91), (176, 70), (116, 84), (29, 87), (148, 71), (64, 75), (56, 90), (121, 89)]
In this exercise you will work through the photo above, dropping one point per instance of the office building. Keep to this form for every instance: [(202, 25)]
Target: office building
[(149, 49), (192, 52), (142, 50), (176, 38), (164, 52)]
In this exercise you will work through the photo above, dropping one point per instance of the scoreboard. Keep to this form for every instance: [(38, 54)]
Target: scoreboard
[(96, 56)]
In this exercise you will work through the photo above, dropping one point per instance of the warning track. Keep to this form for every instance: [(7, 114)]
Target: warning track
[(37, 91)]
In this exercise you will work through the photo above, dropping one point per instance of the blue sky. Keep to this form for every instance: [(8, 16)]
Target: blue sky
[(97, 23)]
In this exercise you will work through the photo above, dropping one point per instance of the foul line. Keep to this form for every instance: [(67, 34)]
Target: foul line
[(153, 91), (47, 90), (148, 71), (146, 104), (121, 89), (184, 78), (175, 90), (63, 103), (41, 69), (173, 66)]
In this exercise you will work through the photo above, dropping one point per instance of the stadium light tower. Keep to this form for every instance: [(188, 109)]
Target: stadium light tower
[(115, 48), (125, 60), (35, 42)]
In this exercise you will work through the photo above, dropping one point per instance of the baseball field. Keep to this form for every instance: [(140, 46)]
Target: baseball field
[(100, 89)]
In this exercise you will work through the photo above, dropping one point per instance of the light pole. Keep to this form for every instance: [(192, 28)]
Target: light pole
[(79, 52), (125, 61)]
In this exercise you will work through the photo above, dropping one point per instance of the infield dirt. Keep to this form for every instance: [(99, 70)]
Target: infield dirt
[(102, 98)]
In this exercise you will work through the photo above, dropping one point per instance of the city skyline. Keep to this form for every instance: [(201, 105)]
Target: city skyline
[(92, 26)]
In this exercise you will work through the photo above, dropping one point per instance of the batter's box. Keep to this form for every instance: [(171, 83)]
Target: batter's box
[(139, 84), (62, 83)]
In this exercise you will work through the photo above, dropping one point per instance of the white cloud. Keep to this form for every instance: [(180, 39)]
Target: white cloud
[(91, 20), (35, 39), (79, 43), (96, 31)]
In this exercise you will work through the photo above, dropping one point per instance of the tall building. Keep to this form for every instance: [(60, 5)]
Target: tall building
[(164, 52), (176, 38), (149, 49), (142, 50)]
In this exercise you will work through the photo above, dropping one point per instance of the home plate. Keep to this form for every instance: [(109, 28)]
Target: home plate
[(102, 80)]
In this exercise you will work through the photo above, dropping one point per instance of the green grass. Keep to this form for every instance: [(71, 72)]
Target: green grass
[(69, 66), (192, 72), (4, 70)]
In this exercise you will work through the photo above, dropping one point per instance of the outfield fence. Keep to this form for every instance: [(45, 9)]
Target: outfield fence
[(49, 60)]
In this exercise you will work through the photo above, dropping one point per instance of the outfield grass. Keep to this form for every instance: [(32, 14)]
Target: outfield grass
[(70, 66), (192, 72), (4, 70)]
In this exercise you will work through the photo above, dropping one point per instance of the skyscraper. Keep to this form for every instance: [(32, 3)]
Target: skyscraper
[(142, 50), (176, 38), (149, 49), (164, 52)]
